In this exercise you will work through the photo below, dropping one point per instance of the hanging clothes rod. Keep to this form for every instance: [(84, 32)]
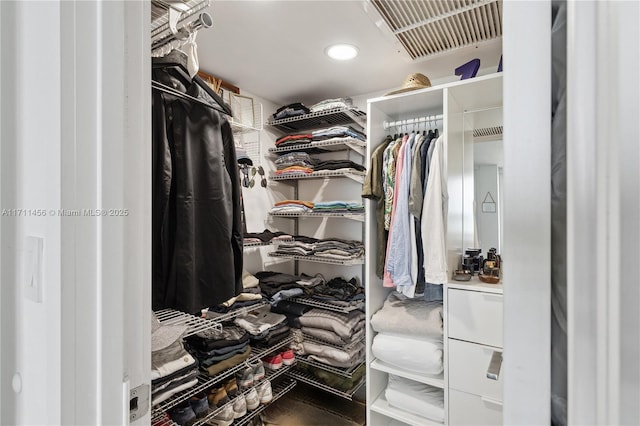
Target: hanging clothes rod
[(412, 121), (203, 21)]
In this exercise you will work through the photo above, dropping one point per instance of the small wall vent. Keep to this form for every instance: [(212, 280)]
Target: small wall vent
[(487, 131)]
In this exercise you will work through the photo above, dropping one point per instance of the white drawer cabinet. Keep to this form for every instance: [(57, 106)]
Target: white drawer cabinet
[(466, 409), (468, 366), (475, 316), (474, 354)]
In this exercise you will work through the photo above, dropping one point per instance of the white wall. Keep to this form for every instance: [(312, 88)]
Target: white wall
[(31, 180)]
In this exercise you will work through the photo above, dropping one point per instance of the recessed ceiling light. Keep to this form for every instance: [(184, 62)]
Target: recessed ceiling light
[(342, 52)]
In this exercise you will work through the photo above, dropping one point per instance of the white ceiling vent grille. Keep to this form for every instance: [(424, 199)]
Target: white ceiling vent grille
[(487, 131), (428, 27)]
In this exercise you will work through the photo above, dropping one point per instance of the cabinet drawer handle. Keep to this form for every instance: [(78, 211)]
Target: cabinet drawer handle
[(493, 372), (491, 401)]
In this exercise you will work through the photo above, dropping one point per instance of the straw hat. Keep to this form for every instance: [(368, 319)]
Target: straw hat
[(412, 82)]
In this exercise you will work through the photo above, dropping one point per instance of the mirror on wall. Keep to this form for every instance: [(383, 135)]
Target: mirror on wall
[(483, 182)]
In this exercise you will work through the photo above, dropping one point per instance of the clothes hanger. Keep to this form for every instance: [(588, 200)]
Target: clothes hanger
[(168, 62)]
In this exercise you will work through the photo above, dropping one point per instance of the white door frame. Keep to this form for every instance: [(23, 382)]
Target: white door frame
[(603, 211), (106, 158), (527, 212)]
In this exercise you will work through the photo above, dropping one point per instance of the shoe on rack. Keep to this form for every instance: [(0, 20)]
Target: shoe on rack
[(217, 397), (232, 388), (272, 362), (200, 405), (244, 378), (253, 400), (288, 357), (223, 418), (183, 414), (265, 393), (239, 407), (258, 371)]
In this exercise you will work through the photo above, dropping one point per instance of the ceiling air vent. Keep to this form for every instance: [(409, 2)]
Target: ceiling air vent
[(427, 28)]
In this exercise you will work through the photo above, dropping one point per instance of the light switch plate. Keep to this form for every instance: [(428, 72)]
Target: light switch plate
[(34, 258)]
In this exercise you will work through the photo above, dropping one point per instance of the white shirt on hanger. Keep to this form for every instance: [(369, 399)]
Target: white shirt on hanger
[(434, 217)]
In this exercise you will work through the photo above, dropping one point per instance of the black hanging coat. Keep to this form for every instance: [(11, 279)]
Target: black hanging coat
[(196, 217)]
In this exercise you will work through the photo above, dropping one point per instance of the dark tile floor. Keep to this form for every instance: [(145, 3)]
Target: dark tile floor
[(305, 405)]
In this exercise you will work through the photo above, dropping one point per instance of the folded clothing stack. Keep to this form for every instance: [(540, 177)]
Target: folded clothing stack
[(266, 236), (331, 104), (294, 171), (251, 295), (264, 327), (301, 159), (339, 289), (220, 349), (337, 329), (292, 110), (292, 310), (173, 369), (338, 207), (416, 398), (331, 355), (337, 165), (292, 206), (301, 139), (294, 163), (337, 132), (405, 326), (404, 316), (333, 248)]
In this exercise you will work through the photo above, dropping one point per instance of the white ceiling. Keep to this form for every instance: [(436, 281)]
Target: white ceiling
[(275, 50)]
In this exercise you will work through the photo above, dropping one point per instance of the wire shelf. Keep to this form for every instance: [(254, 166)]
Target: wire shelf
[(320, 119), (311, 380), (334, 345), (344, 372), (319, 147), (317, 259), (160, 14), (353, 216), (197, 324), (354, 174), (269, 243), (326, 305), (205, 382), (269, 375), (278, 389)]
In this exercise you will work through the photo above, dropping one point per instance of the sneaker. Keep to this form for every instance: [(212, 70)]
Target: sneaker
[(244, 378), (183, 415), (231, 387), (288, 357), (272, 362), (223, 418), (265, 393), (258, 371), (200, 405), (218, 397), (239, 407), (253, 400)]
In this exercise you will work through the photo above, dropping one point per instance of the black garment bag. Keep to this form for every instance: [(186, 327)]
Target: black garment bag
[(196, 213)]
